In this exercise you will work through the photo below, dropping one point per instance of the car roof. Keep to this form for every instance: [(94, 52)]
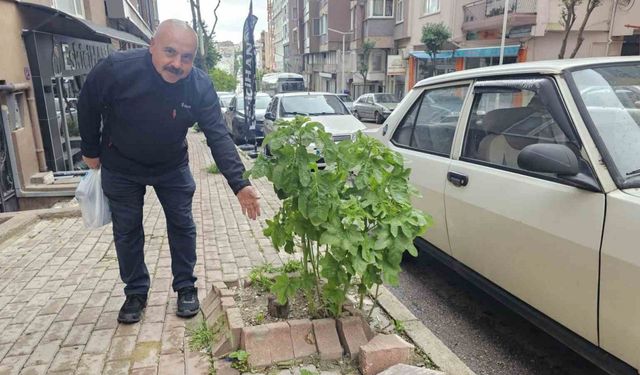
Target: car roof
[(257, 94), (537, 67), (303, 93)]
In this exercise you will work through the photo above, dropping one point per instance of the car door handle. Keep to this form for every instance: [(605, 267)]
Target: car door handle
[(457, 179)]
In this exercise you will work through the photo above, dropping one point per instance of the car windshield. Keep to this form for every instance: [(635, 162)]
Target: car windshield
[(345, 98), (226, 99), (262, 102), (611, 95), (312, 105), (385, 98)]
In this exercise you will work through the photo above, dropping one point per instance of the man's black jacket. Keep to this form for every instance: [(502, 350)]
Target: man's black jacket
[(145, 119)]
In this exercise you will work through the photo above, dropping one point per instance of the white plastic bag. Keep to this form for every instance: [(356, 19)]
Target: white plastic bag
[(93, 202)]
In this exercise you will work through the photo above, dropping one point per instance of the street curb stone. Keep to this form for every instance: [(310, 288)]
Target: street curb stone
[(422, 336)]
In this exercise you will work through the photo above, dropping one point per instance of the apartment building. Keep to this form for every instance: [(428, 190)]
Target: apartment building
[(228, 51), (280, 33), (534, 32), (324, 23), (49, 47)]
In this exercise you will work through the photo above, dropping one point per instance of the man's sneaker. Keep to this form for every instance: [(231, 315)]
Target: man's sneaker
[(131, 310), (188, 304)]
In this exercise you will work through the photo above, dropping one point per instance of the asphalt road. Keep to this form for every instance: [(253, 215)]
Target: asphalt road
[(487, 337)]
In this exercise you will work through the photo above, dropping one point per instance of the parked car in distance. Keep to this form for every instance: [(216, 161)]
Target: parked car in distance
[(531, 173), (376, 107), (234, 117), (325, 108), (347, 100), (225, 98)]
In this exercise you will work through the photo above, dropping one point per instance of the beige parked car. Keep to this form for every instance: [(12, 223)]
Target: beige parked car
[(534, 186)]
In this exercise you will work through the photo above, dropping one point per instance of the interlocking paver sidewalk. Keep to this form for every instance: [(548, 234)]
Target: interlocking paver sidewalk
[(60, 289)]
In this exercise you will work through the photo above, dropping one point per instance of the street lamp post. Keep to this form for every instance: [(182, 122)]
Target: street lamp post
[(504, 29), (343, 81)]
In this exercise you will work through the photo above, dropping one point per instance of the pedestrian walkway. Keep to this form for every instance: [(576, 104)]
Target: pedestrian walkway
[(60, 290)]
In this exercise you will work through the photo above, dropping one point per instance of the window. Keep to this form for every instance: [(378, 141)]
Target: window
[(316, 27), (431, 6), (353, 18), (400, 11), (503, 123), (73, 7), (431, 123), (381, 8), (323, 24), (376, 61)]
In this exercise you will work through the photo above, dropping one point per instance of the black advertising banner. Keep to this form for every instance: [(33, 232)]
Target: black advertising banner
[(249, 69)]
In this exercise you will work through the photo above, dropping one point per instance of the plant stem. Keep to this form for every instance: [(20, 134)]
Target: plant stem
[(375, 300)]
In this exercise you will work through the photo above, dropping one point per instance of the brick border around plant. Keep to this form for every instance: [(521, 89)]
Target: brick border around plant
[(328, 339)]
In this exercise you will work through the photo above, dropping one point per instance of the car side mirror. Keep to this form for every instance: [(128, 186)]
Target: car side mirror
[(270, 116), (549, 158)]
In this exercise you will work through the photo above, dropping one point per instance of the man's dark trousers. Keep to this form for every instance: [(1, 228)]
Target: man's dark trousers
[(126, 197)]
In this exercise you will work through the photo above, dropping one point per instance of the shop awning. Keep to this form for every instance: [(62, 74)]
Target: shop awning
[(423, 55), (469, 52), (487, 51), (50, 20)]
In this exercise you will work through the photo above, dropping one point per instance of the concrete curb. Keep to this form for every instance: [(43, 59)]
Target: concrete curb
[(443, 357), (16, 223)]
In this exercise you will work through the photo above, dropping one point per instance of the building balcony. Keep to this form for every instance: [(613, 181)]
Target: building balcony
[(127, 16), (488, 14)]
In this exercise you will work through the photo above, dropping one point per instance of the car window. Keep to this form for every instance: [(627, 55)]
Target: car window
[(501, 124), (312, 105), (431, 123), (385, 98)]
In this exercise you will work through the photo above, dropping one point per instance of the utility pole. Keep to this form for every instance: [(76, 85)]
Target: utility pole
[(504, 29), (344, 34)]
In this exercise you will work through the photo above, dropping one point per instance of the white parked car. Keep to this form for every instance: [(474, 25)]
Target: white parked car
[(325, 108), (534, 188)]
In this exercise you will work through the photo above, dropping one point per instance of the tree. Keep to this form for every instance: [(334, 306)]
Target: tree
[(205, 37), (434, 36), (591, 6), (212, 56), (363, 66), (568, 19), (222, 80)]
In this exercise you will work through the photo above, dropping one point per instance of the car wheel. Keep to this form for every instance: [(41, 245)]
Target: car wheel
[(355, 113), (266, 150), (379, 118)]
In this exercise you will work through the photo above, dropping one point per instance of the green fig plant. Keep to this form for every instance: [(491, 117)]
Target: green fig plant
[(346, 206)]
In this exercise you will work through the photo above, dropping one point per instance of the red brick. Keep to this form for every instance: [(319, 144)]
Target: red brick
[(234, 318), (352, 335), (217, 285), (280, 338), (382, 352), (327, 340), (227, 302), (302, 338), (255, 341)]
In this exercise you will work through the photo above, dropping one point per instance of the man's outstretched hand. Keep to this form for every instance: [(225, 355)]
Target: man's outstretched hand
[(249, 200)]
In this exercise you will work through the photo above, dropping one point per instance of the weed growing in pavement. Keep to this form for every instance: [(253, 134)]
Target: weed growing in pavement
[(260, 318), (259, 278), (201, 337), (399, 326), (240, 360), (213, 169)]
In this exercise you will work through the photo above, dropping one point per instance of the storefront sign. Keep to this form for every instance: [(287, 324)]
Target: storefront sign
[(396, 65), (76, 56)]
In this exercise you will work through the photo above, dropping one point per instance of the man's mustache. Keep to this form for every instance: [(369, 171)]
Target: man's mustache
[(173, 70)]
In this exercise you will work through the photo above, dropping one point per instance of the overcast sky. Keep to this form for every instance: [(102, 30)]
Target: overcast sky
[(231, 15)]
